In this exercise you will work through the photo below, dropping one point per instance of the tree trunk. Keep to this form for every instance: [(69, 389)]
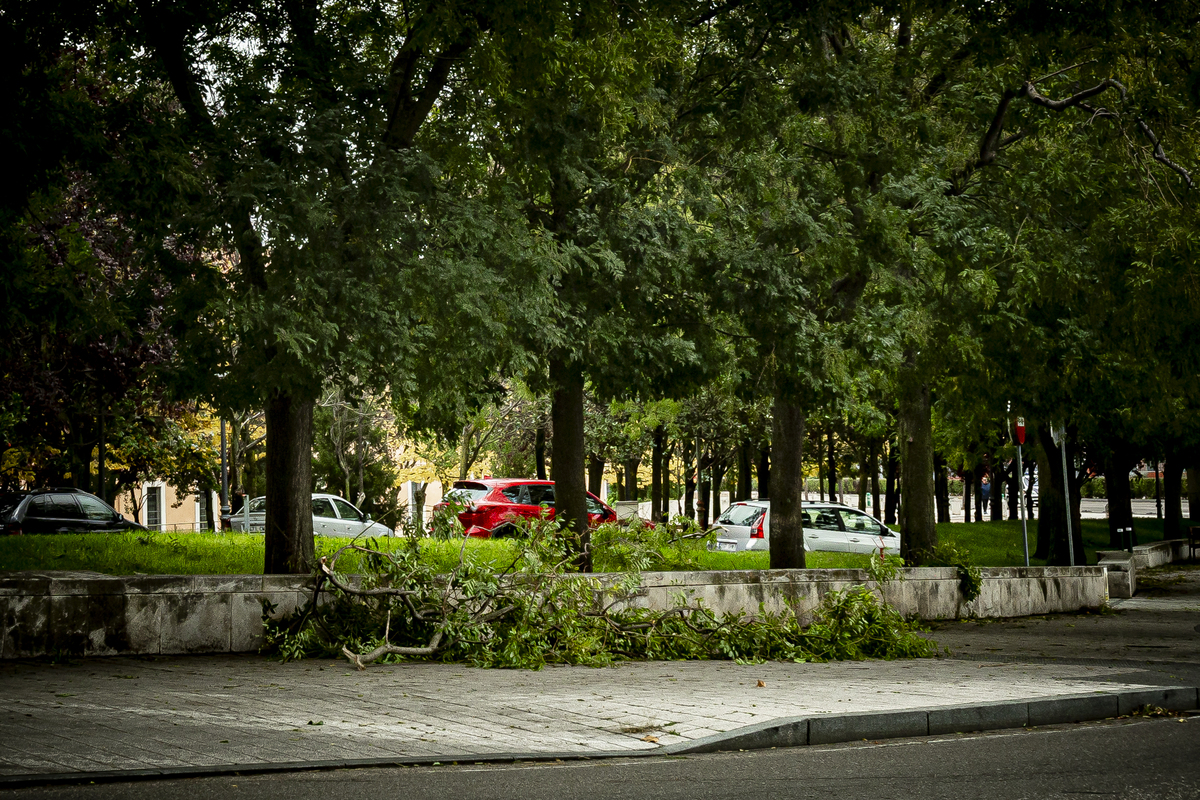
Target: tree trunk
[(718, 475), (1193, 495), (996, 500), (745, 479), (656, 473), (764, 472), (539, 450), (862, 485), (967, 479), (978, 477), (834, 495), (1173, 496), (1120, 499), (1015, 471), (787, 522), (689, 478), (663, 514), (631, 478), (288, 536), (941, 487), (873, 461), (567, 448), (1052, 512), (891, 493), (595, 473), (918, 531), (417, 511), (704, 487)]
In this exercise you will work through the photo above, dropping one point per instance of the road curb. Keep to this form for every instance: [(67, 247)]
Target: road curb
[(780, 732), (832, 729)]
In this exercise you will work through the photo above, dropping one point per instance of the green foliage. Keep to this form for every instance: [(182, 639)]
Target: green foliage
[(635, 546), (970, 578), (530, 613)]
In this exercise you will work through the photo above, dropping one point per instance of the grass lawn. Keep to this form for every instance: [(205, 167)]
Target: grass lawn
[(988, 544), (242, 554), (998, 544)]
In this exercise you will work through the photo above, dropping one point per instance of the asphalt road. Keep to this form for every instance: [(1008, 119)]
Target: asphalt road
[(1138, 758)]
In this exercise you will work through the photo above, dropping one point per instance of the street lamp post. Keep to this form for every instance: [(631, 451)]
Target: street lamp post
[(1059, 434)]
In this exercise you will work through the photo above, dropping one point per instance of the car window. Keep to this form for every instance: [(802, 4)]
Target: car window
[(741, 514), (516, 494), (323, 508), (824, 519), (345, 510), (854, 521), (94, 508), (594, 506), (464, 493), (540, 494), (54, 506), (258, 505)]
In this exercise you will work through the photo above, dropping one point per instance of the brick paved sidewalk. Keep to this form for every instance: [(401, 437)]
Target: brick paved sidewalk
[(128, 713)]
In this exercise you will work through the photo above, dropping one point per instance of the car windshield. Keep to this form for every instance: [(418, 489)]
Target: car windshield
[(9, 501), (741, 514), (465, 493), (258, 505)]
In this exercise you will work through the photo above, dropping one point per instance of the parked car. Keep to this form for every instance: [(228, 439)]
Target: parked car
[(746, 525), (59, 511), (491, 505), (332, 516)]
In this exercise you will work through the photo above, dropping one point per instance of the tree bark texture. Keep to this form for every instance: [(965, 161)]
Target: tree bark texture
[(745, 465), (539, 451), (891, 490), (595, 472), (941, 487), (656, 473), (689, 478), (918, 531), (289, 547), (631, 478), (567, 449), (1120, 498), (1052, 512), (1173, 496), (1193, 494), (764, 472), (833, 487), (664, 513), (874, 466), (787, 522)]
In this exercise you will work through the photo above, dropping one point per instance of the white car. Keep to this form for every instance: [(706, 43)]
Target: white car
[(332, 516), (746, 525)]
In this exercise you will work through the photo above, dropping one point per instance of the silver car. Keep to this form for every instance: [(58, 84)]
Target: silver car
[(746, 525), (332, 516)]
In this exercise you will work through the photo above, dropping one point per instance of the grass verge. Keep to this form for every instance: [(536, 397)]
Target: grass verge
[(988, 544)]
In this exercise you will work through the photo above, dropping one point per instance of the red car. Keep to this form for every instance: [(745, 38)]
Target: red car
[(491, 504)]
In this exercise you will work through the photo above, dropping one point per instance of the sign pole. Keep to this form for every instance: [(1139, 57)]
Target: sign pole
[(1060, 440), (1021, 485)]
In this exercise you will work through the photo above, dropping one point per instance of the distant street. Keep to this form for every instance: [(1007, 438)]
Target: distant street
[(1090, 508), (1130, 759)]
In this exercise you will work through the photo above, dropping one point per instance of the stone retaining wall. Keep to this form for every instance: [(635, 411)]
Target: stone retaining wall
[(81, 613)]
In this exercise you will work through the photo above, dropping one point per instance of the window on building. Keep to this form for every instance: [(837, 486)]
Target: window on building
[(154, 508)]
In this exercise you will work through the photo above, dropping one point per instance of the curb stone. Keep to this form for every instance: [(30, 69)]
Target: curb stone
[(781, 732)]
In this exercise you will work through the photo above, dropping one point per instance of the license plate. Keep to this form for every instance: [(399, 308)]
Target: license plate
[(258, 528), (727, 547)]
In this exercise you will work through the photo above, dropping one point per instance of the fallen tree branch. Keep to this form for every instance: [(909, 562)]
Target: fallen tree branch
[(361, 660)]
